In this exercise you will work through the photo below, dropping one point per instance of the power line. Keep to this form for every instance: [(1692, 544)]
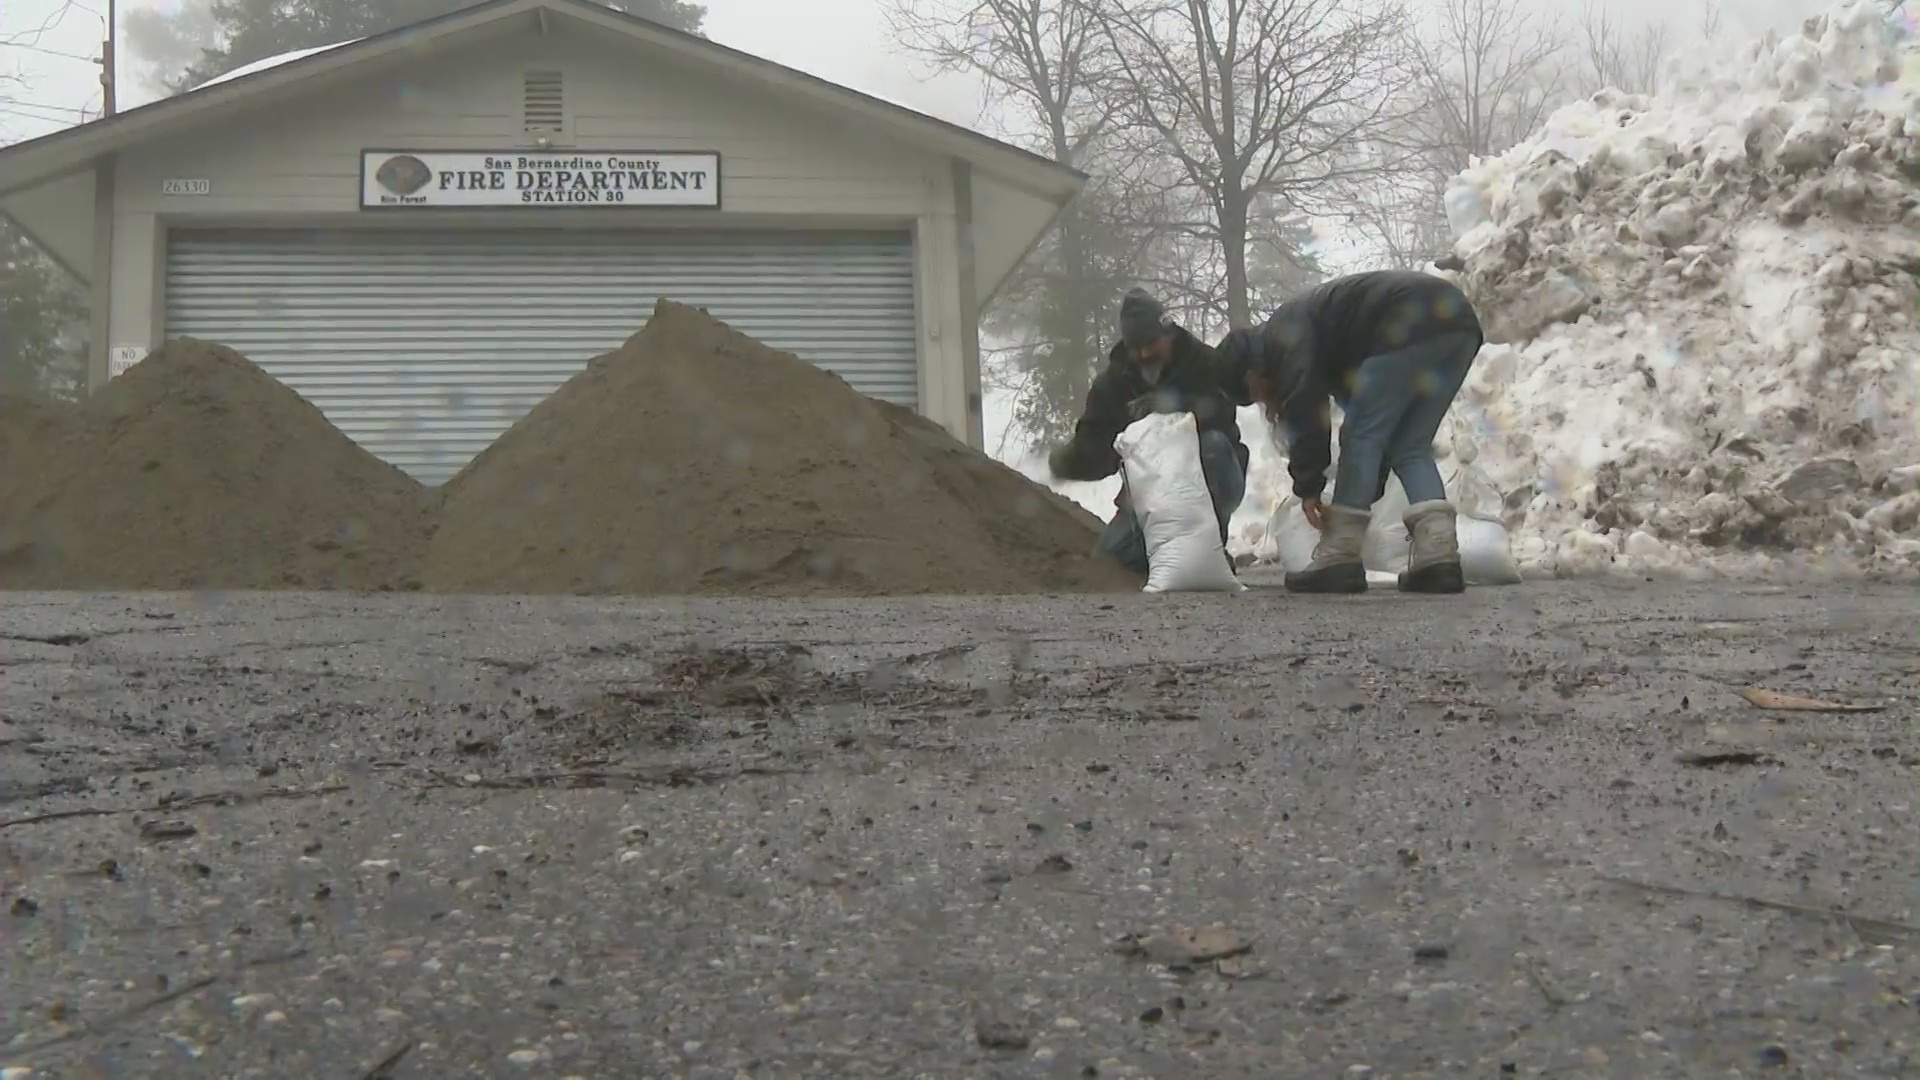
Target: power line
[(15, 103), (49, 24), (70, 119), (49, 52), (17, 114)]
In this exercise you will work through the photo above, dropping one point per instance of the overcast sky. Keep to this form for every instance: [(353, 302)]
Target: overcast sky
[(62, 81)]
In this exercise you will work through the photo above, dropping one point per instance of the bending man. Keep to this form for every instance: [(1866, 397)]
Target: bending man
[(1393, 348), (1157, 367)]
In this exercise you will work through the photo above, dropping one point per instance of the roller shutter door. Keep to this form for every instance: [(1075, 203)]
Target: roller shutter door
[(424, 346)]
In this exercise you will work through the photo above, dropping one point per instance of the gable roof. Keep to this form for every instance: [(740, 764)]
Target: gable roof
[(36, 160)]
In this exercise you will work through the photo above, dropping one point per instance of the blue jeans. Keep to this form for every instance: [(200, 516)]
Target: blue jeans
[(1398, 401), (1123, 539)]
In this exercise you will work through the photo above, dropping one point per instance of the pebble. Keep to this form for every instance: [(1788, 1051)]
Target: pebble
[(1360, 1070), (996, 1033), (252, 1004), (527, 1056)]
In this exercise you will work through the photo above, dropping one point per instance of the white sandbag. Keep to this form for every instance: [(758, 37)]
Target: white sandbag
[(1292, 538), (1160, 457), (1384, 548), (1268, 549), (1292, 541), (1486, 552), (1474, 494)]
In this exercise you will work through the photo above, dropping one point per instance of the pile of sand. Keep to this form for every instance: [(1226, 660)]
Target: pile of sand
[(198, 470), (697, 460), (692, 460)]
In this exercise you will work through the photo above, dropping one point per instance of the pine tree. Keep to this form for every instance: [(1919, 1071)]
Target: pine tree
[(43, 314)]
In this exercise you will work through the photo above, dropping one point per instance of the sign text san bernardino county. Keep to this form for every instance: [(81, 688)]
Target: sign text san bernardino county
[(399, 178)]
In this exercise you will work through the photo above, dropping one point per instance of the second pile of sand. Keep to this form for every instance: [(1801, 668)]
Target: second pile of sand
[(696, 460)]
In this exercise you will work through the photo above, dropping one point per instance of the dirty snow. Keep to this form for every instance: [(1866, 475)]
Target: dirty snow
[(1705, 310), (1701, 309), (275, 61)]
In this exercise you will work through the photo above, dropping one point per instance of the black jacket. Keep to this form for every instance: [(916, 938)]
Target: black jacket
[(1313, 343), (1195, 381)]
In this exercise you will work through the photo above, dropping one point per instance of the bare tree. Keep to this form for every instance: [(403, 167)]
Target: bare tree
[(1402, 218), (1619, 58), (1709, 26), (1045, 65), (1487, 75), (1487, 78), (1040, 59), (1259, 105)]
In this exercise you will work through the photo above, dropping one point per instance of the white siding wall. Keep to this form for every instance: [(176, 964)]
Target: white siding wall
[(780, 164)]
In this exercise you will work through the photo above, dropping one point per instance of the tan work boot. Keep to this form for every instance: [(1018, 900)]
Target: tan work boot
[(1336, 565), (1433, 558)]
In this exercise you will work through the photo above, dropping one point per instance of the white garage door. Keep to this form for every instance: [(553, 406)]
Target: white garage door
[(425, 346)]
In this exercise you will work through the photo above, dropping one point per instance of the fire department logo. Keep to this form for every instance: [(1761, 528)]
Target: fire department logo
[(403, 174)]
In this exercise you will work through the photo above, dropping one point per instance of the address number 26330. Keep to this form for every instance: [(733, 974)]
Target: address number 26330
[(186, 187)]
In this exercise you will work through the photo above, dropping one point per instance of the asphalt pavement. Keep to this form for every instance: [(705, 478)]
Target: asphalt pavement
[(1534, 831)]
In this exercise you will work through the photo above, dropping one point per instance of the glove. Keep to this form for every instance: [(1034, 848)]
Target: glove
[(1161, 399)]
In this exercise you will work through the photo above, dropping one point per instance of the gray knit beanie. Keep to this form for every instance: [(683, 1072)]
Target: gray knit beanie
[(1142, 318)]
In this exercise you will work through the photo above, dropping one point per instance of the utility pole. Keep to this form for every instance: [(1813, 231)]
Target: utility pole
[(108, 68), (100, 349)]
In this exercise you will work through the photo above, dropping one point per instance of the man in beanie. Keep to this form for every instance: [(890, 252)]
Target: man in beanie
[(1157, 367)]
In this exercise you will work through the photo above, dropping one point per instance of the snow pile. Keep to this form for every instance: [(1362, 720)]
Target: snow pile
[(1702, 314)]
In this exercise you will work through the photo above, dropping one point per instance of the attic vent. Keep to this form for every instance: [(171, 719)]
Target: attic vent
[(543, 104)]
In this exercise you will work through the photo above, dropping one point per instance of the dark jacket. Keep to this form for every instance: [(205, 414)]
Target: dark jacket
[(1313, 343), (1195, 380)]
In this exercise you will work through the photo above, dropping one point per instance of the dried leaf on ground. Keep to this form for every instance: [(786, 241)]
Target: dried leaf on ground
[(1184, 947), (1773, 699), (1713, 759)]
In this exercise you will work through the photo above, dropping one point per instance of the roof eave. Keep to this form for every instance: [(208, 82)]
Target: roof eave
[(1025, 169), (75, 146), (1061, 206), (31, 162)]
